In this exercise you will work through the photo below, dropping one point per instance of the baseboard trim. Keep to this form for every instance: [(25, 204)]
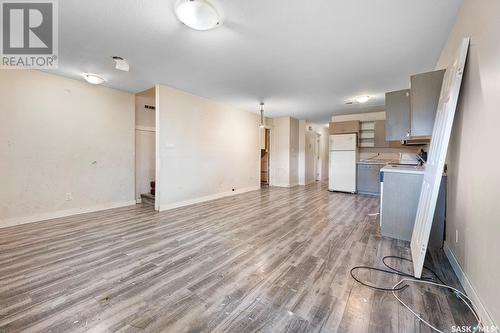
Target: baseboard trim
[(145, 128), (286, 185), (469, 289), (62, 213), (207, 198)]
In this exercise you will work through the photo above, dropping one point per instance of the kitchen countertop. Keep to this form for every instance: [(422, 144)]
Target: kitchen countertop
[(419, 170), (386, 162), (383, 162)]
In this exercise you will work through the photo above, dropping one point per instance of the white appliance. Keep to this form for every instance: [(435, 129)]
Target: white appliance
[(342, 166)]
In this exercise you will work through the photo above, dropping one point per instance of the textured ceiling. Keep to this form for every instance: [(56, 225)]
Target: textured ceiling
[(302, 58)]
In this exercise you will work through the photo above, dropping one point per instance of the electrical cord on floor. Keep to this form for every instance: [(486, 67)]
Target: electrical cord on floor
[(410, 261), (410, 278), (442, 283), (378, 270), (390, 270), (462, 296)]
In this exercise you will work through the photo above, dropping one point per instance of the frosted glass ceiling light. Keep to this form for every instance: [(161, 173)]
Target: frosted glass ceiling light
[(362, 99), (198, 14), (93, 78)]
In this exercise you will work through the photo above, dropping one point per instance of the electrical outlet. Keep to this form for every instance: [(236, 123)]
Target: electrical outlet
[(456, 235), (69, 196)]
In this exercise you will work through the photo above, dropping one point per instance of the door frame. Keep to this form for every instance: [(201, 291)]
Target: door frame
[(269, 176), (157, 149), (318, 167)]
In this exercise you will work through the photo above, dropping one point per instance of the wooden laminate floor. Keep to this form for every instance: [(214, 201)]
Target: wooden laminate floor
[(275, 260)]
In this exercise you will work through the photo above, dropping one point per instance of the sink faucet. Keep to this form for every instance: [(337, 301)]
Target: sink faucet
[(422, 161)]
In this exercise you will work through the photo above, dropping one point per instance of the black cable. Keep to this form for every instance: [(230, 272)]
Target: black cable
[(401, 273), (409, 275), (430, 270), (379, 270), (392, 271)]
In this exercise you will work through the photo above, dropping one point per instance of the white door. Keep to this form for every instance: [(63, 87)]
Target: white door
[(343, 142), (342, 171), (437, 155)]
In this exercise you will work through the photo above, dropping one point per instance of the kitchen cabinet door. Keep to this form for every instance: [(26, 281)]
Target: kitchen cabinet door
[(397, 115), (400, 194), (424, 98), (344, 127), (368, 178), (380, 141)]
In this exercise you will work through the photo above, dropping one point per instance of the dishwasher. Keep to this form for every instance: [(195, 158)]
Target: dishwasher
[(368, 179)]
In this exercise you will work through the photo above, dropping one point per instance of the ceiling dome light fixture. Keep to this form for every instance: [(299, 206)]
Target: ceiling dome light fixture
[(198, 14), (93, 78), (362, 99)]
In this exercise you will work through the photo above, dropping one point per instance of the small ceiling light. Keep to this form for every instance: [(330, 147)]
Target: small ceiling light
[(362, 99), (262, 115), (93, 78), (121, 64), (198, 14)]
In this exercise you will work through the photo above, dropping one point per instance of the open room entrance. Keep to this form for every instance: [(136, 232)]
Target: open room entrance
[(145, 157), (312, 155), (265, 155)]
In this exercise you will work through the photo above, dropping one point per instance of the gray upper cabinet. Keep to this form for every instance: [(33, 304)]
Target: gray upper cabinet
[(397, 117), (411, 112), (380, 137), (424, 97)]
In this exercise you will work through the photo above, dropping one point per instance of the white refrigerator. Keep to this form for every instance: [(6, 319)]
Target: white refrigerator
[(342, 166)]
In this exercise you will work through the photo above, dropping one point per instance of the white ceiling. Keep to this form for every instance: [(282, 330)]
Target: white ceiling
[(302, 58)]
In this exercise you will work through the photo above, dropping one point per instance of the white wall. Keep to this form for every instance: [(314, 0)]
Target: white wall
[(287, 152), (205, 149), (61, 136), (144, 142), (325, 153), (294, 152), (310, 157), (473, 164), (367, 116), (280, 152), (302, 152), (145, 117)]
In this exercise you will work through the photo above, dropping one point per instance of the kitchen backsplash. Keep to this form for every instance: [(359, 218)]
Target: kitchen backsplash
[(392, 156)]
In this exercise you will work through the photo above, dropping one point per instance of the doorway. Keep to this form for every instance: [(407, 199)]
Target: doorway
[(265, 155), (145, 150)]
